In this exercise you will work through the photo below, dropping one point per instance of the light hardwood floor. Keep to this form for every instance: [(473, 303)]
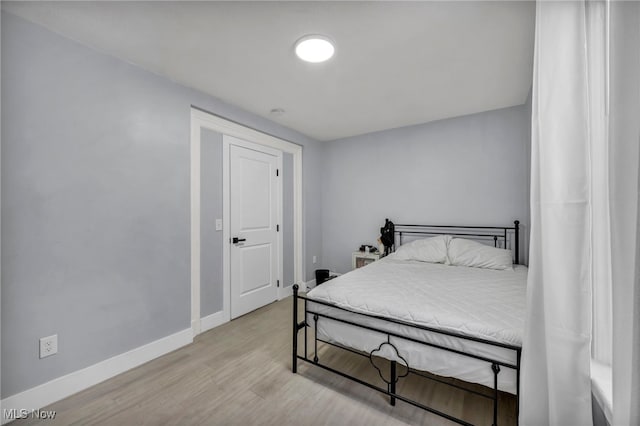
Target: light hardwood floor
[(240, 374)]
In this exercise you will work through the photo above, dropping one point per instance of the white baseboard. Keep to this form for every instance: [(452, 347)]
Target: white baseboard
[(286, 292), (311, 284), (62, 387), (195, 327), (302, 287), (212, 321)]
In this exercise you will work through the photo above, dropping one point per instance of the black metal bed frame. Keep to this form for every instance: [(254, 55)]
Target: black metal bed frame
[(500, 237)]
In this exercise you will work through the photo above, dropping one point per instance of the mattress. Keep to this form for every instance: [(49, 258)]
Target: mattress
[(483, 303)]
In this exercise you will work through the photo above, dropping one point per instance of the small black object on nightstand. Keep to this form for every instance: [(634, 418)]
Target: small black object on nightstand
[(322, 275)]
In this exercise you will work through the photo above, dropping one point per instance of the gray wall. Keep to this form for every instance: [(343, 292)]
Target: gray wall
[(211, 242), (466, 170), (95, 203), (312, 175)]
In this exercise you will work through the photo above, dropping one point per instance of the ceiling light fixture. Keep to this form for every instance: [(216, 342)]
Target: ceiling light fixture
[(315, 48), (277, 112)]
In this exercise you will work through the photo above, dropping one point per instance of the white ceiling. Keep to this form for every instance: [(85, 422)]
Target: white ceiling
[(396, 63)]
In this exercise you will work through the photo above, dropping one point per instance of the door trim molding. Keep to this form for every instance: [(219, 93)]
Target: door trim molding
[(201, 119)]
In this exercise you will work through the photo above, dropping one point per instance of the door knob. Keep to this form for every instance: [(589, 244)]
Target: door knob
[(237, 240)]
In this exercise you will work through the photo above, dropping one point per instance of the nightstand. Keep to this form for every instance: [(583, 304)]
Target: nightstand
[(361, 258)]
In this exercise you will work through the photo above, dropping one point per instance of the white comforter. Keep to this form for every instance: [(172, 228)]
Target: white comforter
[(477, 302)]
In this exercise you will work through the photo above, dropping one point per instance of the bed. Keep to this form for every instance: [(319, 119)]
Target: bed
[(450, 320)]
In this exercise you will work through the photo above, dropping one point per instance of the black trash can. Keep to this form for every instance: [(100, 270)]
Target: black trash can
[(322, 275)]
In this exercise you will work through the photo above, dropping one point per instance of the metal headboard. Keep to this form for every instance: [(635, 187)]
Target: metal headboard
[(502, 236)]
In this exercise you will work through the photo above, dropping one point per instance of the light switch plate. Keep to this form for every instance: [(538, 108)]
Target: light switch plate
[(218, 224)]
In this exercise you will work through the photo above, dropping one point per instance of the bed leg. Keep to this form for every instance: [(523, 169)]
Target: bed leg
[(519, 354), (315, 338), (496, 370), (392, 384), (294, 358)]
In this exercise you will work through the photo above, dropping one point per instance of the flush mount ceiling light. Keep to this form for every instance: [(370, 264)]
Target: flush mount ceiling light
[(314, 48), (277, 112)]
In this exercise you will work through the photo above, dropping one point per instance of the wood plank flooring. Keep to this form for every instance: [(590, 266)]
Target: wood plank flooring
[(240, 374)]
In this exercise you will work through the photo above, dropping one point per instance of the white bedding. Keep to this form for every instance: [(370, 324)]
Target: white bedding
[(484, 303)]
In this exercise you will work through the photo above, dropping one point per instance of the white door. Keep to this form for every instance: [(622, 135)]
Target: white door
[(254, 197)]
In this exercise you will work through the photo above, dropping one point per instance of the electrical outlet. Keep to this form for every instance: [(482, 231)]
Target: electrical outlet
[(48, 346), (315, 259), (218, 224)]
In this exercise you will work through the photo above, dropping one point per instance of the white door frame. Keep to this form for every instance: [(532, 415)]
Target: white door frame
[(199, 120)]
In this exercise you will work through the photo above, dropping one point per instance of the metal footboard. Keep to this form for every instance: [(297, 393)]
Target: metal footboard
[(391, 380)]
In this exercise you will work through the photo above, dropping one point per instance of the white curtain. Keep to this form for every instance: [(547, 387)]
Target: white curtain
[(556, 386), (624, 160), (584, 266)]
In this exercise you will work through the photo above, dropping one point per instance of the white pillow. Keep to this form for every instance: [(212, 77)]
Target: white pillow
[(432, 249), (464, 252)]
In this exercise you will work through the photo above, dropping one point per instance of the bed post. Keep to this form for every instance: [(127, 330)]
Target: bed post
[(393, 241), (294, 359), (519, 355), (392, 385), (517, 240), (496, 369)]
